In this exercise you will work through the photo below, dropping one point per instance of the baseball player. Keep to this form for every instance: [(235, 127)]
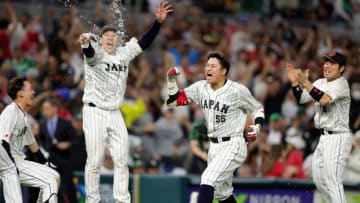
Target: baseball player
[(331, 95), (16, 133), (225, 105), (106, 71)]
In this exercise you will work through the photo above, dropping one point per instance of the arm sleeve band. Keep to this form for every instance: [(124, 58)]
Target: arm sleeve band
[(179, 97), (316, 94), (260, 121), (149, 36), (182, 99), (172, 98), (297, 91), (89, 51)]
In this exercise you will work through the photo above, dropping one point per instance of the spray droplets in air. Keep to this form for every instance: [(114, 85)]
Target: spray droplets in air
[(118, 10)]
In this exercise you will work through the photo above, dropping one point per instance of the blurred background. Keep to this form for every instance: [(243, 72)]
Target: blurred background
[(39, 40)]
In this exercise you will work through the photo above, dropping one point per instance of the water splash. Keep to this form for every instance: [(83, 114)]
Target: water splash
[(117, 9), (117, 12), (69, 4)]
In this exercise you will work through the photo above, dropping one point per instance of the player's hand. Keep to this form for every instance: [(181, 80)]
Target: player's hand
[(86, 37), (302, 77), (291, 74), (253, 132), (162, 10), (83, 39), (172, 74)]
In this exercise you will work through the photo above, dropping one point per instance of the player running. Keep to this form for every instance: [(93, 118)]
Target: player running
[(225, 105), (106, 72), (331, 95)]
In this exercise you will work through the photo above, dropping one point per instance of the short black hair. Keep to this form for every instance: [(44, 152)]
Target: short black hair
[(15, 85), (224, 63)]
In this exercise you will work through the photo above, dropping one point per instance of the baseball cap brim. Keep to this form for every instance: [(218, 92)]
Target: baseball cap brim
[(329, 58), (108, 28)]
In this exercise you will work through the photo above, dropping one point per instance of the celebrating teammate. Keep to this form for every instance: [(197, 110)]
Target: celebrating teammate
[(106, 71), (331, 95), (225, 105), (16, 133)]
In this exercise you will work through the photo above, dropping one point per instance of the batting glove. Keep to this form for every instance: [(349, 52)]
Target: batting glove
[(172, 74), (253, 132)]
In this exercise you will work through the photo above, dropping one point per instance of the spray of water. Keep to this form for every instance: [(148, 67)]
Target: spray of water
[(117, 9)]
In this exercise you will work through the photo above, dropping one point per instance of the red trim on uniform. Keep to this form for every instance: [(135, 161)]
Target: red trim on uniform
[(182, 99)]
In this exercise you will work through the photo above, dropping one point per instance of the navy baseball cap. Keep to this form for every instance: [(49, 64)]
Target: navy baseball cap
[(108, 28), (336, 57)]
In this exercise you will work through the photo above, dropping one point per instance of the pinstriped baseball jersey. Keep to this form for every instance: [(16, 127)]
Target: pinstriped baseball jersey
[(335, 115), (106, 75), (9, 178), (224, 109), (15, 129)]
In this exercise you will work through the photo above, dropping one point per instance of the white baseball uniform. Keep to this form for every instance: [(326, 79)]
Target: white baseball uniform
[(225, 111), (14, 128), (9, 178), (105, 83), (335, 142)]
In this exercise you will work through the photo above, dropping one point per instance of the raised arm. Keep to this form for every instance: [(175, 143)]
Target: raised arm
[(161, 13), (176, 97), (298, 92)]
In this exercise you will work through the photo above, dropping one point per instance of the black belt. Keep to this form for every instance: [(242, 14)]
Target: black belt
[(91, 104), (219, 139), (325, 132)]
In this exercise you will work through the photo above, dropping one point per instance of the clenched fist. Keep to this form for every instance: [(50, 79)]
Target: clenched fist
[(172, 74), (253, 132)]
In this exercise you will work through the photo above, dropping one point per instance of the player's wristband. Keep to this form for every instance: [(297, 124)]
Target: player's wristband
[(260, 121), (297, 91), (316, 94), (89, 51)]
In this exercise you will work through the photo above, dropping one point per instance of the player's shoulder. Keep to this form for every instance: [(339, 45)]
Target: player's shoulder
[(12, 107), (236, 85), (10, 110), (200, 83)]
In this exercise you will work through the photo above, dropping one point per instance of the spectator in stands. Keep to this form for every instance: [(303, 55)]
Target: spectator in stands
[(199, 144), (56, 137), (293, 156)]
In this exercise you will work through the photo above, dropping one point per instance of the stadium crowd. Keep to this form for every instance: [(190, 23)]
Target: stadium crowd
[(258, 37)]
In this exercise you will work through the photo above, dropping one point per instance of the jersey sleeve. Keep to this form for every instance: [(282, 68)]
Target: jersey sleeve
[(131, 49), (98, 54), (249, 103), (193, 91), (337, 90), (7, 124)]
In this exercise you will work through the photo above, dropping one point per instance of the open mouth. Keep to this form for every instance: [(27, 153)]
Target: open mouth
[(208, 75)]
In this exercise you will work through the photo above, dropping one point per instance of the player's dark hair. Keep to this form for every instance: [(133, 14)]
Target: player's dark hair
[(224, 63), (15, 85)]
